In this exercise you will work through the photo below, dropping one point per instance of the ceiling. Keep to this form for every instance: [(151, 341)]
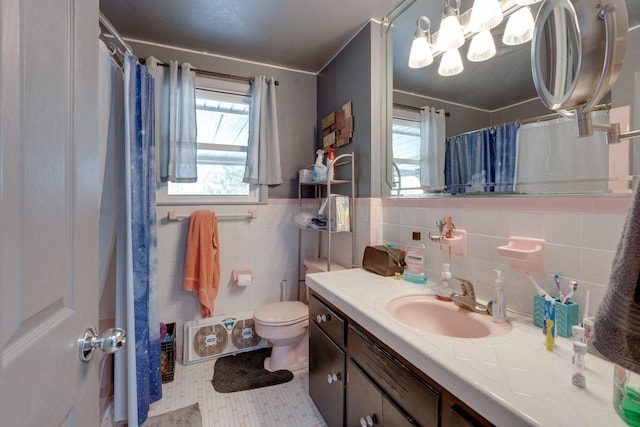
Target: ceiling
[(299, 34), (305, 35)]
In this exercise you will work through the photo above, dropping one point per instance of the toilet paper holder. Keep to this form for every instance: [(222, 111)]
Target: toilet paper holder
[(236, 273)]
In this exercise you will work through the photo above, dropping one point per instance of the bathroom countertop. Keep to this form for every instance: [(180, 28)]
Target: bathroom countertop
[(510, 379)]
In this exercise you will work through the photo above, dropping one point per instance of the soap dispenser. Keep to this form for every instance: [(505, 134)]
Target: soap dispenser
[(499, 305), (443, 293)]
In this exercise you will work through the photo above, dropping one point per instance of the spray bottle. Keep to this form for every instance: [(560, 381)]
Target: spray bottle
[(319, 169)]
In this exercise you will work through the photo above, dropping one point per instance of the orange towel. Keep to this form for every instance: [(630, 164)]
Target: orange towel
[(202, 260)]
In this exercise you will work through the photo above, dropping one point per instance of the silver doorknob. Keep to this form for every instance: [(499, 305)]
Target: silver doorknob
[(110, 341)]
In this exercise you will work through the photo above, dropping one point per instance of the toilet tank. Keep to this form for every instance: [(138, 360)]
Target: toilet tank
[(317, 265)]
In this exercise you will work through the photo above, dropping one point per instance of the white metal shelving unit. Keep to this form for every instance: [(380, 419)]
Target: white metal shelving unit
[(344, 173)]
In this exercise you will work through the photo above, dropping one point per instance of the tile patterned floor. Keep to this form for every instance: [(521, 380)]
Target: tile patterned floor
[(283, 405)]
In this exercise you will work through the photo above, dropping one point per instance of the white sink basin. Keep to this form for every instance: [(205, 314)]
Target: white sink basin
[(444, 318)]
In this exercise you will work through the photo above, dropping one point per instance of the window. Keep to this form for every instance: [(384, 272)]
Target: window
[(222, 117), (406, 153)]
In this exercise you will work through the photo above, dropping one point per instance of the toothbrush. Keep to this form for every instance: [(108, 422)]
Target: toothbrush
[(574, 287), (556, 279), (541, 291)]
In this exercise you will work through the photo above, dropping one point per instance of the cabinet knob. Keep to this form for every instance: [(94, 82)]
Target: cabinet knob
[(332, 378), (323, 318), (368, 421)]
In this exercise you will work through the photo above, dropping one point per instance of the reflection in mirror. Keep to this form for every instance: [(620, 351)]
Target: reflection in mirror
[(485, 100), (558, 55)]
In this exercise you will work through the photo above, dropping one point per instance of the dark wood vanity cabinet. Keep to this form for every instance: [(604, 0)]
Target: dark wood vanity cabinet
[(355, 380), (327, 376), (368, 405)]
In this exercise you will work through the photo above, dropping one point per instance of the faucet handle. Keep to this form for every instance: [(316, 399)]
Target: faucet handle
[(467, 288)]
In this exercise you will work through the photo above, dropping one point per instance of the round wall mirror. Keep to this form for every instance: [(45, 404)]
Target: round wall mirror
[(577, 51)]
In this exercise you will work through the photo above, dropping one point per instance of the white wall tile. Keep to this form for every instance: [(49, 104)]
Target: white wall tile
[(563, 229), (526, 224), (601, 231)]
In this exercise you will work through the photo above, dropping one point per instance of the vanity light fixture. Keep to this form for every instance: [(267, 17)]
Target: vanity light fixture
[(519, 27), (485, 15), (421, 55), (450, 35), (450, 63), (481, 47), (474, 24)]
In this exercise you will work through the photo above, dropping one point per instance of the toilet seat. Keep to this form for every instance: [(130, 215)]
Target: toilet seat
[(281, 313)]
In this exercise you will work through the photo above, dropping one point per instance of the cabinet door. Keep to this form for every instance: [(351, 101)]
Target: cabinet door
[(364, 400), (326, 376), (330, 323), (392, 416)]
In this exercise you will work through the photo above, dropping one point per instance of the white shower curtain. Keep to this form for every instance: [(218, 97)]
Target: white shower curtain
[(432, 147), (263, 147), (552, 159), (110, 133), (175, 121)]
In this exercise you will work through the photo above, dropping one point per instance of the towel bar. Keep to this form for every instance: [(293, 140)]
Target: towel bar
[(252, 214)]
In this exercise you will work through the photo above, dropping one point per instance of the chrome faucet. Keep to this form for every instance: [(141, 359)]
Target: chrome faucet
[(467, 299)]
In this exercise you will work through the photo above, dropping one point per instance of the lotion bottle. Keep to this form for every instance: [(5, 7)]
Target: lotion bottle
[(499, 305)]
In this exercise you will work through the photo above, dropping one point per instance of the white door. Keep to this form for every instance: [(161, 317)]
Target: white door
[(48, 211)]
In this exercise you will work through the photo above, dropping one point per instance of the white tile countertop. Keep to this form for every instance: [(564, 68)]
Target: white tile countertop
[(510, 380)]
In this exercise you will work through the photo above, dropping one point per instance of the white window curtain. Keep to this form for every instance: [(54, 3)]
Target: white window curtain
[(432, 147), (263, 147), (175, 121)]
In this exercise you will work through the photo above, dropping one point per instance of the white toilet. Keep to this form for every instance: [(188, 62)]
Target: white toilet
[(285, 325)]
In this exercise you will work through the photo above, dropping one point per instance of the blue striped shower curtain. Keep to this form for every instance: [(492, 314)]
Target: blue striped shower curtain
[(138, 379), (482, 161)]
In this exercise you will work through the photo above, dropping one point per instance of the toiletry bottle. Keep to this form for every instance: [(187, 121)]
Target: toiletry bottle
[(414, 259), (499, 306), (330, 157), (443, 293)]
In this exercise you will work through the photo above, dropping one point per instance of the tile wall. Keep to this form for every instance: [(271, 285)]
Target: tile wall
[(581, 236)]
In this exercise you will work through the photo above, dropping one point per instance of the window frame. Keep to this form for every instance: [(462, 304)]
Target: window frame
[(413, 117), (258, 194)]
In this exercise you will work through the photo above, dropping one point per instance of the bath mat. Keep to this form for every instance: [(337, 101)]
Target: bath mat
[(189, 416), (245, 371)]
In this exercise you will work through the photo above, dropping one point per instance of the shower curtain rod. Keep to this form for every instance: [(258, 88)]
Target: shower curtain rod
[(114, 33), (411, 107), (542, 118), (216, 74), (552, 116)]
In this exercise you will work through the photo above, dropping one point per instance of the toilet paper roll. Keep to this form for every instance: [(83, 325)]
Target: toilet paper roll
[(244, 279)]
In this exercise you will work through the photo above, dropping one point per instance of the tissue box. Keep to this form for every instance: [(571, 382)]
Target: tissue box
[(340, 219), (566, 315)]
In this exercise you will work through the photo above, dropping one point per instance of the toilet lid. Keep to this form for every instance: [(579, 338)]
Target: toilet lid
[(281, 313)]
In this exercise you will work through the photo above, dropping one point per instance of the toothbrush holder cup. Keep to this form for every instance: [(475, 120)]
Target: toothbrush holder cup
[(567, 315)]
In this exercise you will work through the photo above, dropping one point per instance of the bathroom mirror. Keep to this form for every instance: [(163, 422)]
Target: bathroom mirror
[(498, 91)]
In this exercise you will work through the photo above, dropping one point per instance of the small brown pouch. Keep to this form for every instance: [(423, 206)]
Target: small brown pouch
[(383, 260)]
